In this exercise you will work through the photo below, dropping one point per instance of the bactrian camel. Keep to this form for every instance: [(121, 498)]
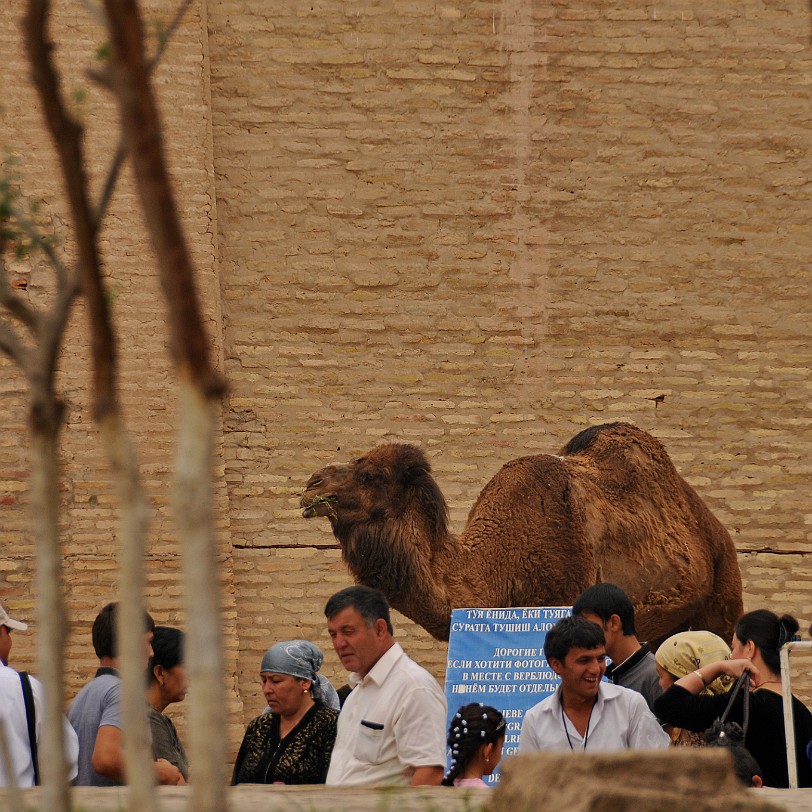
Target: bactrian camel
[(610, 507)]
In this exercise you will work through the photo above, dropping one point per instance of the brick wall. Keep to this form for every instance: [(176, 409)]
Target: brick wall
[(478, 227)]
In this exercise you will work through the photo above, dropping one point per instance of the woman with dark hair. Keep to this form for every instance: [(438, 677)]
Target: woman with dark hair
[(755, 649), (291, 742), (475, 738), (167, 684)]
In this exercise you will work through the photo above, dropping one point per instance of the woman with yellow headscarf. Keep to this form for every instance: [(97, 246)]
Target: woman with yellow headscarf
[(681, 654)]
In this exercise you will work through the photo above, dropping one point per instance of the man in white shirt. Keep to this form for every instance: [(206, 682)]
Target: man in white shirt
[(391, 729), (14, 719), (585, 713)]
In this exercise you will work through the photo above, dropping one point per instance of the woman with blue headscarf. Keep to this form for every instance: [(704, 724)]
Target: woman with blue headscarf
[(292, 741)]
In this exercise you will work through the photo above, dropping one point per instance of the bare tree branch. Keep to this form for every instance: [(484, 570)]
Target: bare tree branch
[(17, 306), (67, 137), (141, 123), (31, 230), (11, 346)]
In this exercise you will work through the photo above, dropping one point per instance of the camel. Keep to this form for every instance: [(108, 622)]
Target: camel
[(610, 507)]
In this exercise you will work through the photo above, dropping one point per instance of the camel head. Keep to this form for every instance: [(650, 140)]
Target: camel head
[(390, 519), (375, 488), (380, 495)]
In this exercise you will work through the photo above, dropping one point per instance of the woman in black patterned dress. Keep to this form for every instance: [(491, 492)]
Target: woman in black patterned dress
[(291, 742)]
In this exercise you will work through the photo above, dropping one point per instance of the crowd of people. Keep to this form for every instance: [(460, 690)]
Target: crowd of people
[(387, 726)]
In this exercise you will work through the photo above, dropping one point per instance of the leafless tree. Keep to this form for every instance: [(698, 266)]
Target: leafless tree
[(201, 386)]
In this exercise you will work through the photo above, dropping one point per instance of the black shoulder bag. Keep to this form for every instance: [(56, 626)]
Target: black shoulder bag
[(721, 729), (31, 718)]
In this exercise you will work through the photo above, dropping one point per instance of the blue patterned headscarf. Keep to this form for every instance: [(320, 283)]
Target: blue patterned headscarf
[(301, 659)]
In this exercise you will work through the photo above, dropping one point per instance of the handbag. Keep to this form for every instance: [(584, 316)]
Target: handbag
[(31, 719), (722, 732)]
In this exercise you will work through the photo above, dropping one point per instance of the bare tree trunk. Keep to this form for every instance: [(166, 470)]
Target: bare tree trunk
[(200, 388), (67, 136), (193, 498), (46, 421), (133, 527)]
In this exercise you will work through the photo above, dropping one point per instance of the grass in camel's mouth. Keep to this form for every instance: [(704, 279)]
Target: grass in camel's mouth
[(310, 510)]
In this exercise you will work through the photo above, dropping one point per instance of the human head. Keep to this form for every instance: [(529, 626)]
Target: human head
[(572, 632), (104, 631), (684, 652), (576, 650), (359, 626), (474, 728), (6, 625), (166, 669), (731, 737), (300, 659), (766, 632), (603, 601), (370, 603)]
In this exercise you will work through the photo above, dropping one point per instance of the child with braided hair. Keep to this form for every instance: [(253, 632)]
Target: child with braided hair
[(475, 738)]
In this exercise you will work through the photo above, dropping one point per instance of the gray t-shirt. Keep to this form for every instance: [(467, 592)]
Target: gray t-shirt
[(165, 742), (97, 704)]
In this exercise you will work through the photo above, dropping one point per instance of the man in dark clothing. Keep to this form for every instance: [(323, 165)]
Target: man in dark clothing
[(633, 665)]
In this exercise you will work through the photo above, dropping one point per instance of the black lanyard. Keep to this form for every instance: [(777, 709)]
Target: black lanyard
[(588, 722)]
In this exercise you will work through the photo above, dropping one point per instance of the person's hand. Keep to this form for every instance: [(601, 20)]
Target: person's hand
[(735, 668), (167, 773)]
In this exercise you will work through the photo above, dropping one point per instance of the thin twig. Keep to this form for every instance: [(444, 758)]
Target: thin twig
[(121, 150), (11, 346)]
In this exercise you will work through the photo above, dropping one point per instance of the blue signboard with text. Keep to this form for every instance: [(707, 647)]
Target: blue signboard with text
[(496, 657)]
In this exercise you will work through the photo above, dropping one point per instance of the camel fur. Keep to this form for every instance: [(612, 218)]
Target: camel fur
[(611, 507)]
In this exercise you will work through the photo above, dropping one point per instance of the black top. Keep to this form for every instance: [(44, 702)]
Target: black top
[(302, 757), (765, 733)]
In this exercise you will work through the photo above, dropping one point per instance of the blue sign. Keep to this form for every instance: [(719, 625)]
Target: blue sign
[(496, 657)]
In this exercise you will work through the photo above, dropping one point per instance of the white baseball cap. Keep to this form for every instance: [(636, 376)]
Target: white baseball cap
[(5, 620)]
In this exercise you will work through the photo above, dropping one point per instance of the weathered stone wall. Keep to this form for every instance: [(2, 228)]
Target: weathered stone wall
[(478, 227)]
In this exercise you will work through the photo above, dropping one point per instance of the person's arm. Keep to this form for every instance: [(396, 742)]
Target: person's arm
[(108, 753), (645, 732), (681, 706), (71, 741), (167, 773), (420, 733), (698, 680), (427, 776)]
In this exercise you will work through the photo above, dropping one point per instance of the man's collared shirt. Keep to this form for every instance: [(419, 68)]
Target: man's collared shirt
[(638, 672), (15, 727), (620, 720), (391, 723)]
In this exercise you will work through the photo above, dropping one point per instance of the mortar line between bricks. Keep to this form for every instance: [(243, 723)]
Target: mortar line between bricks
[(286, 546)]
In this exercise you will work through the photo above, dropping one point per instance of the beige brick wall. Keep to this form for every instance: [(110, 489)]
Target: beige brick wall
[(478, 227)]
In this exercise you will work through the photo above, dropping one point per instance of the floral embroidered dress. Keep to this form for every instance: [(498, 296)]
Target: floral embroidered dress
[(302, 757)]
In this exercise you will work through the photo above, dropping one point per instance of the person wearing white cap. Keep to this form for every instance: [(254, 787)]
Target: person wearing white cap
[(21, 719)]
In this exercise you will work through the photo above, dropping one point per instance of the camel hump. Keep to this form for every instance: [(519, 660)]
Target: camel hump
[(585, 439), (625, 455)]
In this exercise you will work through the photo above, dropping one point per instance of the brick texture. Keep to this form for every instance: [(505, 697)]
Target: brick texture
[(478, 227)]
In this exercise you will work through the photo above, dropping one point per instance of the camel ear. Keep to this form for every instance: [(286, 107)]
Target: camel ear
[(414, 473)]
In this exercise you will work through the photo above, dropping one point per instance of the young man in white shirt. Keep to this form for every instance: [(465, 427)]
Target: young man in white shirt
[(391, 729), (14, 719), (586, 713)]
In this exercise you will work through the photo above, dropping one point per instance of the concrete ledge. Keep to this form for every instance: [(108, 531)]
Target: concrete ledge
[(255, 798), (679, 780), (321, 799)]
